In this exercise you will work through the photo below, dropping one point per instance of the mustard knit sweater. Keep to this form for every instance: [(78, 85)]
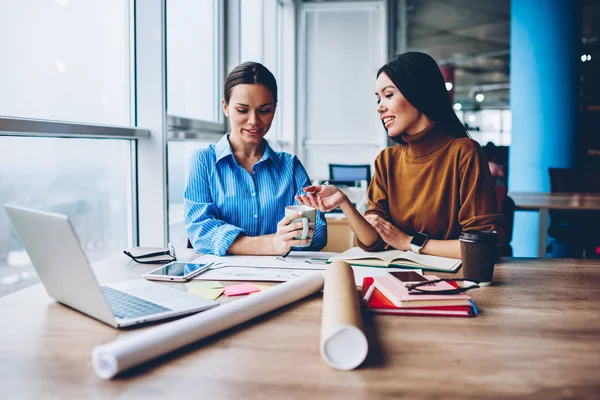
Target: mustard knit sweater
[(434, 184)]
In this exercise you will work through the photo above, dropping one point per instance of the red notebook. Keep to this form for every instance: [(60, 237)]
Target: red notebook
[(379, 304)]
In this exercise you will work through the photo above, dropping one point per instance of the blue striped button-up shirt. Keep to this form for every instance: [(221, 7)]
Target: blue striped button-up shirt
[(222, 200)]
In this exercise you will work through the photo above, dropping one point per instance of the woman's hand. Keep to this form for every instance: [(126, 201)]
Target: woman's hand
[(322, 197), (283, 240), (389, 232)]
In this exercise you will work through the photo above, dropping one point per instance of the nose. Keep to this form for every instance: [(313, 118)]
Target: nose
[(252, 118), (380, 108)]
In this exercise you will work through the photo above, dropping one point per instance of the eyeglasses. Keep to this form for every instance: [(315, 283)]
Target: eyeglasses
[(150, 255), (420, 288)]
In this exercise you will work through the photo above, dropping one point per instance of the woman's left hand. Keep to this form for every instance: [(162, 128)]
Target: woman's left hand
[(389, 232)]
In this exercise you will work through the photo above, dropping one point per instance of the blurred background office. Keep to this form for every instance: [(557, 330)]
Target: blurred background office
[(102, 100)]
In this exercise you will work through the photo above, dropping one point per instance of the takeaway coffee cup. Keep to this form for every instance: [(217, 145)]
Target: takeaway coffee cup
[(478, 253), (308, 218)]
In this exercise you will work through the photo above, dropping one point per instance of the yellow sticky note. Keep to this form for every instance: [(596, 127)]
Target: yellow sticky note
[(210, 294), (203, 285)]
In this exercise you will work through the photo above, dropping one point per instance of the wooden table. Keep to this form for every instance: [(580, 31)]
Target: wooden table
[(543, 202), (537, 336)]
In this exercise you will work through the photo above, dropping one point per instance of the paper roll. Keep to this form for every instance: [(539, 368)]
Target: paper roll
[(344, 345), (119, 355)]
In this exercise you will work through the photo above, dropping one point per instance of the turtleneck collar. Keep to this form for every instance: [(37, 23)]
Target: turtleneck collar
[(426, 142)]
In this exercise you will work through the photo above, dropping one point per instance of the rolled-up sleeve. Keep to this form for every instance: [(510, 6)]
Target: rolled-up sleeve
[(301, 180), (207, 233)]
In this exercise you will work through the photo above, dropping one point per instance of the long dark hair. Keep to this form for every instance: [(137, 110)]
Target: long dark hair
[(250, 73), (420, 80)]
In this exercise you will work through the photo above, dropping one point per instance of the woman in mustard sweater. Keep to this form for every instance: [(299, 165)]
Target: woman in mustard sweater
[(434, 184)]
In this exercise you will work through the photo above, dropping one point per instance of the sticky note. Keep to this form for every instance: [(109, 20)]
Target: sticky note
[(262, 287), (210, 294), (203, 284), (244, 288)]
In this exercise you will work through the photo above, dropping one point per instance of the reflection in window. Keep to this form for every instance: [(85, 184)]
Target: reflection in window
[(89, 180), (178, 156), (66, 60)]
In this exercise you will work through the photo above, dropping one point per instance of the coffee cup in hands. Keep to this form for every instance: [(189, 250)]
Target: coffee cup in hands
[(308, 219)]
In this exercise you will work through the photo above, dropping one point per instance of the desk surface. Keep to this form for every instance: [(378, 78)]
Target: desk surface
[(538, 335), (556, 201)]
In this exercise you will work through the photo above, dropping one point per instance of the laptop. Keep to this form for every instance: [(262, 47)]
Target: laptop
[(63, 268)]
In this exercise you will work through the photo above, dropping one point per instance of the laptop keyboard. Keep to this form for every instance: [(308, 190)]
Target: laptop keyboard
[(124, 305)]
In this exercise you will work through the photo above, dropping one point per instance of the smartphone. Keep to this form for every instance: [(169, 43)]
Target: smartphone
[(408, 277), (176, 271)]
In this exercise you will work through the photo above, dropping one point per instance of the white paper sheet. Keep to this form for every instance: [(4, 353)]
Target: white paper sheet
[(119, 355), (278, 274), (296, 259)]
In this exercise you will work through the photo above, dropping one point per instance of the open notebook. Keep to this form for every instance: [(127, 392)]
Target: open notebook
[(397, 258)]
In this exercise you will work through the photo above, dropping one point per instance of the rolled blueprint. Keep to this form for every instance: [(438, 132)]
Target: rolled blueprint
[(344, 345), (119, 355)]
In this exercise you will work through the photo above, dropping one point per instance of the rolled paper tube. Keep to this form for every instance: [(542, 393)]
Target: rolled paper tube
[(119, 355), (344, 345)]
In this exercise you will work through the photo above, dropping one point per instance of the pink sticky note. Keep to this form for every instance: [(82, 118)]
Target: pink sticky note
[(244, 288)]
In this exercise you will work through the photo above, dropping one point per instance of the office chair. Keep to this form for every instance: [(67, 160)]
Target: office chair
[(350, 172)]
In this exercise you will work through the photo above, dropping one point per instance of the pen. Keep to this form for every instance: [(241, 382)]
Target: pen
[(369, 293)]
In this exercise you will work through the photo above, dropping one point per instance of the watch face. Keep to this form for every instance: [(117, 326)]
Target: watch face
[(419, 239)]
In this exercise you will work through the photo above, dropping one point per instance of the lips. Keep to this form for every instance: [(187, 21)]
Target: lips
[(253, 132), (387, 120)]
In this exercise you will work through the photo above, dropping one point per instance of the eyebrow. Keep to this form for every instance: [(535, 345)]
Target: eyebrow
[(385, 87), (262, 105)]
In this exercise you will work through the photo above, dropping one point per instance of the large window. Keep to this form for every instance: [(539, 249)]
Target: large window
[(66, 135), (194, 59), (66, 60), (88, 180)]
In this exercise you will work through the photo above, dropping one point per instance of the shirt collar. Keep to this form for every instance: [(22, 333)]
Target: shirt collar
[(223, 149)]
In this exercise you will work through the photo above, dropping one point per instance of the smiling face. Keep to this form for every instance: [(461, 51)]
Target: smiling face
[(251, 109), (397, 114)]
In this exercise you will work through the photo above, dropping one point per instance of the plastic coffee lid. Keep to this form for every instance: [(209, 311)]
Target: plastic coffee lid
[(479, 237)]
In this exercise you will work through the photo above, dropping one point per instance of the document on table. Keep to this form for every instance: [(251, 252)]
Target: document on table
[(270, 269)]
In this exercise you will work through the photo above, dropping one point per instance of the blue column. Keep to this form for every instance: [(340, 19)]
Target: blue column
[(545, 41)]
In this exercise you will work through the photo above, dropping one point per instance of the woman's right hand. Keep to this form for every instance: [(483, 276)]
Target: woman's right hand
[(322, 197), (284, 240)]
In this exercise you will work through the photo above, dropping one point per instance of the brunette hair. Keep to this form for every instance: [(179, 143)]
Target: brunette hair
[(250, 73)]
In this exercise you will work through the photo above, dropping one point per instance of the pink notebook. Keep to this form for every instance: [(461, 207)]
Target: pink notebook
[(398, 294)]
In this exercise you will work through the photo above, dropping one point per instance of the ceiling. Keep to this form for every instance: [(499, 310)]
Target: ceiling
[(474, 36)]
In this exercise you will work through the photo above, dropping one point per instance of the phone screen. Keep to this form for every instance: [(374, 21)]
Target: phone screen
[(177, 268), (408, 276)]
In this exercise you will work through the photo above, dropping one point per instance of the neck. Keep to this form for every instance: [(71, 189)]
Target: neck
[(426, 141), (241, 148), (420, 125)]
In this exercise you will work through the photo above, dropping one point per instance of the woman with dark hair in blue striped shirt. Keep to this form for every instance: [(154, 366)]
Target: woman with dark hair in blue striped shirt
[(237, 190)]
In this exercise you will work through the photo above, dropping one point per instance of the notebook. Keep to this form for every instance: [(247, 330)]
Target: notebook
[(398, 258), (399, 296), (377, 303)]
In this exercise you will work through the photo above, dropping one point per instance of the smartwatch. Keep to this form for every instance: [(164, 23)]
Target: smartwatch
[(418, 241)]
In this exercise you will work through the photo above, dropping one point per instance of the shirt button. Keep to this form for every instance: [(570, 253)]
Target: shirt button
[(255, 216), (253, 172), (253, 194)]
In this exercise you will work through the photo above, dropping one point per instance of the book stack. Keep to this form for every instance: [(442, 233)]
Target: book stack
[(389, 295)]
